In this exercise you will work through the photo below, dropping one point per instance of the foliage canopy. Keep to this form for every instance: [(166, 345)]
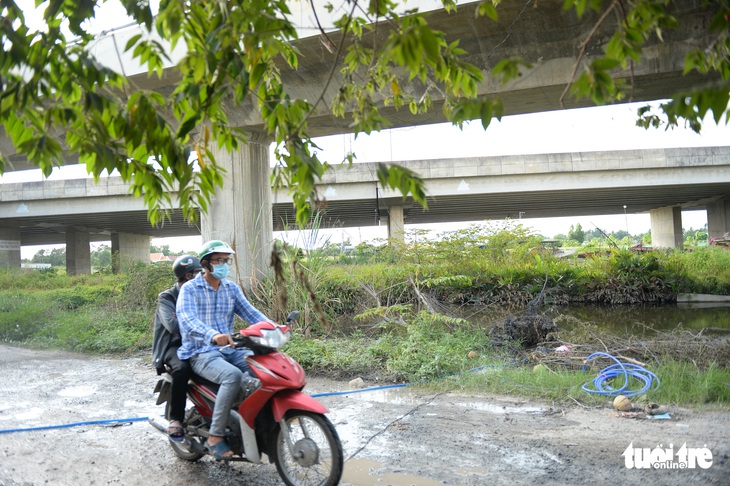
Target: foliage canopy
[(57, 99)]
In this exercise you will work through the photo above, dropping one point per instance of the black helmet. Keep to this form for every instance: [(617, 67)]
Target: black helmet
[(185, 264)]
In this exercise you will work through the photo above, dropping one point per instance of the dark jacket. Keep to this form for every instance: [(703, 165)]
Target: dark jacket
[(167, 332)]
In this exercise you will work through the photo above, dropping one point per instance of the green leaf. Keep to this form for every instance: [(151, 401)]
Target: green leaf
[(132, 41), (488, 10)]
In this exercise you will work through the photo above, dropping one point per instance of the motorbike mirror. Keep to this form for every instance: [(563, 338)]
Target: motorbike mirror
[(292, 316)]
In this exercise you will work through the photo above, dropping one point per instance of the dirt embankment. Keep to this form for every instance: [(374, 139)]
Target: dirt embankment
[(396, 436)]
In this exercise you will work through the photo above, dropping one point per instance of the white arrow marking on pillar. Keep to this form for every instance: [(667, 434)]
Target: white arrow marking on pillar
[(22, 208), (463, 186), (331, 191)]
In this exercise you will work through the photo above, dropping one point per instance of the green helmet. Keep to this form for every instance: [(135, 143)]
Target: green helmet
[(215, 246)]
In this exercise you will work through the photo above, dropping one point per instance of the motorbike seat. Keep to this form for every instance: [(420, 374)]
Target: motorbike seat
[(213, 386)]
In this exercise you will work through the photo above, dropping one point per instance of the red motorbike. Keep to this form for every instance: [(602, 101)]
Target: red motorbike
[(276, 419)]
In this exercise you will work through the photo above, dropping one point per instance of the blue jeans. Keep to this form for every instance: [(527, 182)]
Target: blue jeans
[(226, 367)]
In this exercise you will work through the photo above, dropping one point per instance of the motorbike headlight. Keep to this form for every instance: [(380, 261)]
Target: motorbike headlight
[(272, 338)]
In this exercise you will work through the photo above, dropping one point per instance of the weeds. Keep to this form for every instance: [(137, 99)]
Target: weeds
[(384, 313)]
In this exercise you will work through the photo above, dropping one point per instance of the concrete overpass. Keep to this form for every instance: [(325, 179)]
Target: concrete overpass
[(540, 32), (659, 181)]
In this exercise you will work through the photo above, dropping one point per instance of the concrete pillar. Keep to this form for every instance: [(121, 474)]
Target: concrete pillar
[(128, 250), (10, 245), (78, 252), (240, 212), (718, 218), (396, 225), (666, 227)]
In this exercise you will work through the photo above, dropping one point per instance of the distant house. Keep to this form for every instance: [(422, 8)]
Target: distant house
[(159, 257), (36, 266)]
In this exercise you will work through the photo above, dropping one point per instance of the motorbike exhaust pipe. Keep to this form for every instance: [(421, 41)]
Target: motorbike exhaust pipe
[(161, 425), (157, 423)]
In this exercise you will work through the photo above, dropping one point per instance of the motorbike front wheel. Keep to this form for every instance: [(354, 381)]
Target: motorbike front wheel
[(316, 457)]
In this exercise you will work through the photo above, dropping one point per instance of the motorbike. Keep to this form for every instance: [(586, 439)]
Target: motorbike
[(276, 419)]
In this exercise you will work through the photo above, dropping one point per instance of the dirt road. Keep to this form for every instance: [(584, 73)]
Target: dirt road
[(399, 437)]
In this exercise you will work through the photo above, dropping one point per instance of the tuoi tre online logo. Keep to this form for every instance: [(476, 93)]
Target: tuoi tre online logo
[(666, 458)]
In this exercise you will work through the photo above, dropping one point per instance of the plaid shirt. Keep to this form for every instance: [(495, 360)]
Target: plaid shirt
[(203, 312)]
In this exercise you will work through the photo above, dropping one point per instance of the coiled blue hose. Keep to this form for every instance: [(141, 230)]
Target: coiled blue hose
[(602, 387)]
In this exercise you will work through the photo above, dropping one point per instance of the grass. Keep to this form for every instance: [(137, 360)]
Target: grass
[(681, 384), (464, 360), (370, 318)]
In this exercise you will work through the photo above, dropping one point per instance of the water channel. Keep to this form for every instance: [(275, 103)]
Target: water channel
[(645, 318), (623, 319)]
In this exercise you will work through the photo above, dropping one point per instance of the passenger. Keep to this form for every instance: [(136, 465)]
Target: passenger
[(167, 339), (206, 309)]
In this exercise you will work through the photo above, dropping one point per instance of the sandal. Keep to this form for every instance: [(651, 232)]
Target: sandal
[(175, 431), (218, 450)]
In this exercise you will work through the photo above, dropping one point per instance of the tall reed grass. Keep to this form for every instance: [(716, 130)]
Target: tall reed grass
[(381, 311)]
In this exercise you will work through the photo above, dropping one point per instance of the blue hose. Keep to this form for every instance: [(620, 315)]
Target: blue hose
[(602, 387), (77, 424), (143, 419)]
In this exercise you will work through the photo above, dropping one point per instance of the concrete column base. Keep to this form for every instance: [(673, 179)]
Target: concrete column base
[(10, 245), (78, 253), (666, 228), (128, 250), (240, 211), (396, 224), (718, 218)]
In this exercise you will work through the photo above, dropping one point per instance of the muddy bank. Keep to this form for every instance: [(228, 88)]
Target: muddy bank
[(396, 436)]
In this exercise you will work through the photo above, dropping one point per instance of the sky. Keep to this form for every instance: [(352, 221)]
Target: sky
[(588, 129)]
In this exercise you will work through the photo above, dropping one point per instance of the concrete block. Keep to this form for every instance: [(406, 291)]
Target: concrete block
[(33, 190), (513, 164), (714, 158), (560, 162), (11, 192), (632, 163), (467, 167), (601, 161), (116, 186), (698, 160), (489, 166), (355, 173), (75, 188), (537, 164), (630, 159), (580, 161), (98, 188), (675, 159), (54, 190), (420, 166), (440, 171), (654, 159)]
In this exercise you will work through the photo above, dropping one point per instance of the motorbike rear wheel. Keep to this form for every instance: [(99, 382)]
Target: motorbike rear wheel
[(180, 449), (317, 458)]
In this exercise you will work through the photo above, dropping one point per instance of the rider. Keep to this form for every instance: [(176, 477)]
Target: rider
[(167, 339), (206, 309)]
